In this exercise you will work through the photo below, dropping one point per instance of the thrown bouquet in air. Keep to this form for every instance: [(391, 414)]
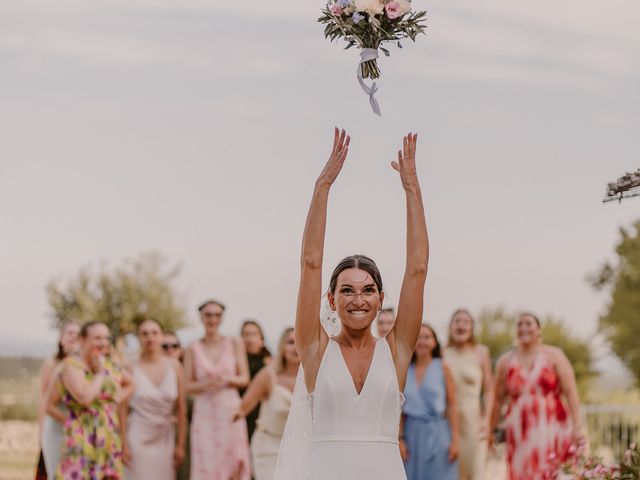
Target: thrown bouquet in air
[(367, 24)]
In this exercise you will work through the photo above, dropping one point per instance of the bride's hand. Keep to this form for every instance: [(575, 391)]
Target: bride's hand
[(406, 163), (336, 159)]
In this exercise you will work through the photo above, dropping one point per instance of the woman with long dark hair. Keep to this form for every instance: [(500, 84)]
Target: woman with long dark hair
[(258, 355), (355, 379), (429, 432)]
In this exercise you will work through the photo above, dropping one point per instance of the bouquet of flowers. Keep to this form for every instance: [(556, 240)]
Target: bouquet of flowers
[(368, 24)]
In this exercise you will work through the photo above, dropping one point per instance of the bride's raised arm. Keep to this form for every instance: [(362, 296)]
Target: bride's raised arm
[(309, 334), (409, 316)]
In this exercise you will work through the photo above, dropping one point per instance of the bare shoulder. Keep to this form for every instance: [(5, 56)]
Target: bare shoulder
[(555, 354), (175, 363)]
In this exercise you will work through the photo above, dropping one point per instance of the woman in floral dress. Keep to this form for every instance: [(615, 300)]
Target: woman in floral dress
[(541, 427), (90, 388)]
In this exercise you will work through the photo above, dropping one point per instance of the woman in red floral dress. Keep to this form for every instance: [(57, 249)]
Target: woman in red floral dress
[(540, 426)]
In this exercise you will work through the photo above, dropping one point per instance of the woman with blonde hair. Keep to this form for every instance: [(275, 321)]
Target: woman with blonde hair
[(272, 387), (470, 365)]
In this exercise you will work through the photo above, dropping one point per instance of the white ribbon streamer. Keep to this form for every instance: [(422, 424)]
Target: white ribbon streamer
[(367, 54)]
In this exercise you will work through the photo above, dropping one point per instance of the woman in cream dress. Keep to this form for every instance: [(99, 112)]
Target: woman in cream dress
[(273, 387), (470, 365)]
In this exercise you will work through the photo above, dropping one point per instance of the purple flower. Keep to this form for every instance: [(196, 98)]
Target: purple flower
[(344, 3), (357, 17)]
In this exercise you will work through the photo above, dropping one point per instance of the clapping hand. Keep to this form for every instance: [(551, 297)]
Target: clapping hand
[(336, 159)]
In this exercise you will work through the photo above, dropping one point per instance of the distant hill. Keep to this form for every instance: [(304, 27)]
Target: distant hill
[(26, 348)]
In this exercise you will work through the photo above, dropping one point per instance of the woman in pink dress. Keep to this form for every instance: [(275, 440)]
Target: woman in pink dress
[(216, 366), (541, 428)]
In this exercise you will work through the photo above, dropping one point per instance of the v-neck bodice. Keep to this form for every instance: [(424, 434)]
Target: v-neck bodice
[(356, 435), (338, 409)]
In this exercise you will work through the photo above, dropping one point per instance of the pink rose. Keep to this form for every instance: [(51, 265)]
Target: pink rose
[(393, 9), (335, 10)]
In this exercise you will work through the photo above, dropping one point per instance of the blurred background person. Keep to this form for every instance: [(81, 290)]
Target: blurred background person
[(470, 365), (257, 356), (151, 447), (171, 345), (51, 428), (90, 387), (273, 388), (216, 367), (540, 427), (429, 425), (384, 321)]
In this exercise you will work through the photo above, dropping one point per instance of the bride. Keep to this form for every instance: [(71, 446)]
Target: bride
[(353, 411)]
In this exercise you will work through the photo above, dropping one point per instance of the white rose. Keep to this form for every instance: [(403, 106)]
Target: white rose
[(372, 7), (405, 6)]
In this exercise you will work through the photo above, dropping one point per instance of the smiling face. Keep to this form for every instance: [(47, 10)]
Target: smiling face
[(461, 328), (211, 316), (252, 338), (150, 336), (426, 343), (69, 338), (356, 299), (527, 330), (97, 340)]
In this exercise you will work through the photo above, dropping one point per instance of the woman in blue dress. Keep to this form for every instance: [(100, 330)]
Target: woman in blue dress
[(429, 425)]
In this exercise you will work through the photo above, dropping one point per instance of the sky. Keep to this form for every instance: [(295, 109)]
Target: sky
[(197, 129)]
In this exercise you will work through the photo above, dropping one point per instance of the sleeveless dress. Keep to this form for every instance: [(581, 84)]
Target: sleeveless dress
[(467, 375), (151, 427), (265, 442), (355, 436), (219, 447), (539, 430), (92, 448), (426, 429)]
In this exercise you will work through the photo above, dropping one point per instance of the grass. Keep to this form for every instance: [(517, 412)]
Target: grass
[(19, 388)]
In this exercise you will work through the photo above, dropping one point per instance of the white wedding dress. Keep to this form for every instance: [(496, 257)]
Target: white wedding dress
[(336, 433), (355, 436)]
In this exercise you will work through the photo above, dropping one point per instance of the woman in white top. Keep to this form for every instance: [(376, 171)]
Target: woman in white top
[(273, 387), (356, 379)]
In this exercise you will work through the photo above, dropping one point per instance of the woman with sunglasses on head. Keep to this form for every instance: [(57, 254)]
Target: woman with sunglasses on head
[(156, 421), (216, 367), (543, 421)]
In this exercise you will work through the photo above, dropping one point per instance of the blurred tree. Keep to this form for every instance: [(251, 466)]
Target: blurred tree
[(120, 297), (621, 322), (496, 329)]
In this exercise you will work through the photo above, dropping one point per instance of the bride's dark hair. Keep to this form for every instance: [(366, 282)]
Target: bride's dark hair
[(361, 262)]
